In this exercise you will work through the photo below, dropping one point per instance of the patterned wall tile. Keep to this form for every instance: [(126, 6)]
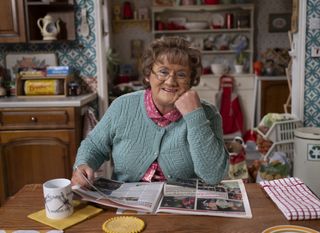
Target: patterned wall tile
[(79, 54), (312, 67)]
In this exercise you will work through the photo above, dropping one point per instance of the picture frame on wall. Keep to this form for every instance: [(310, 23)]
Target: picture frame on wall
[(279, 22), (16, 62)]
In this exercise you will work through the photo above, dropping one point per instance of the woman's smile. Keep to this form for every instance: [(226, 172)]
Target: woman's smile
[(168, 82)]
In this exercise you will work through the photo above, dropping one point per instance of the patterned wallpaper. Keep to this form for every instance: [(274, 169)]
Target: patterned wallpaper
[(312, 67), (79, 54), (264, 39)]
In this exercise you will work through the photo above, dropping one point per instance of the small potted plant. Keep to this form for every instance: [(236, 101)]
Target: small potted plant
[(241, 60)]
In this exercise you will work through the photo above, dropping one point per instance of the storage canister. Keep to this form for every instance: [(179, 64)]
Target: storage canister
[(306, 165)]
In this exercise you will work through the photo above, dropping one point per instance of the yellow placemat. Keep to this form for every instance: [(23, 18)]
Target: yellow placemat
[(81, 213)]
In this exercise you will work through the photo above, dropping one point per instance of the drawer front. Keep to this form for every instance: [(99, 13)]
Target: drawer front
[(244, 83), (50, 118), (213, 83), (208, 83)]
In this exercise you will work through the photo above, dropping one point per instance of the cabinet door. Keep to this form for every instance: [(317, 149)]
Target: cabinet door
[(12, 28), (274, 95), (35, 156)]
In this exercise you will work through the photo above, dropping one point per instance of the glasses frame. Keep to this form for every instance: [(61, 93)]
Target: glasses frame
[(174, 75)]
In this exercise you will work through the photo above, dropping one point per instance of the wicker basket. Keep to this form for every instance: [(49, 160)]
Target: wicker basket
[(281, 131)]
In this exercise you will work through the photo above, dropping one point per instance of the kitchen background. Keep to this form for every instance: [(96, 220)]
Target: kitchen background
[(81, 53)]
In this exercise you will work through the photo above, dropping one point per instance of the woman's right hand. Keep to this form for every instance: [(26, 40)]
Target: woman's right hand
[(81, 175)]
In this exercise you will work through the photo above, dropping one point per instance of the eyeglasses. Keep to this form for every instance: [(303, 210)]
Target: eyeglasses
[(164, 74)]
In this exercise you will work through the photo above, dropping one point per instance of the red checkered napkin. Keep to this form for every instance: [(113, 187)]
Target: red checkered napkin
[(293, 198)]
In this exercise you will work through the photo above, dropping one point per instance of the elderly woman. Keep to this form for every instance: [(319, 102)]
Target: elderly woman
[(162, 133)]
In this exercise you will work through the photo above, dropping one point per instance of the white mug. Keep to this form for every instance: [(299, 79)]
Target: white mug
[(58, 198)]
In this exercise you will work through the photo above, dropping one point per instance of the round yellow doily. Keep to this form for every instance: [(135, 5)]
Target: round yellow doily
[(123, 224)]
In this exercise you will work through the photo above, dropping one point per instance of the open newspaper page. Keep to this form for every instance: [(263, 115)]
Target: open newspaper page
[(194, 197), (139, 196)]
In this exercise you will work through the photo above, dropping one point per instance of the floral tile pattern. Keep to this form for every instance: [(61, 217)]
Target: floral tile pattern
[(79, 54)]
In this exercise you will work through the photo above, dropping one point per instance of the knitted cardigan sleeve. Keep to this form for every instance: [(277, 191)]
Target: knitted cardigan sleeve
[(205, 138), (96, 147)]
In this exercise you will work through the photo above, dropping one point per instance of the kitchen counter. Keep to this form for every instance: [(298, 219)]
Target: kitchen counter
[(69, 101), (39, 138)]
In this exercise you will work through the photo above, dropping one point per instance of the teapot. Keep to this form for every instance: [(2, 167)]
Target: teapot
[(49, 28)]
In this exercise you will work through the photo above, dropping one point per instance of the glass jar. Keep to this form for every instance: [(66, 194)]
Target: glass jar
[(73, 89)]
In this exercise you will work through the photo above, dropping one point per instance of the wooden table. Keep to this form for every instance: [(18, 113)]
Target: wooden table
[(13, 216)]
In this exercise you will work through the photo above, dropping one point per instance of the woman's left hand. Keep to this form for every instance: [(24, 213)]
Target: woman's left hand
[(188, 102)]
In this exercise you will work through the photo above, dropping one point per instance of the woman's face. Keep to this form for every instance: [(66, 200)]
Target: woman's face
[(168, 82)]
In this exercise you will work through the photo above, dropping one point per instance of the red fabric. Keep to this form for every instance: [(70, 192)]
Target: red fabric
[(155, 115), (154, 172), (230, 110), (237, 158)]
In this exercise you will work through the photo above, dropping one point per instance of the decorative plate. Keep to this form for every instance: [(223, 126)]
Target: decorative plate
[(217, 21), (239, 42), (222, 41), (289, 228)]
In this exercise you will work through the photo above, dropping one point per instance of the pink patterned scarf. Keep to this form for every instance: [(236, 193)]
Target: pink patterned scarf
[(154, 172)]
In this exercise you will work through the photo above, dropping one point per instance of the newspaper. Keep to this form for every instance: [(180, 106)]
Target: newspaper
[(139, 196), (192, 197)]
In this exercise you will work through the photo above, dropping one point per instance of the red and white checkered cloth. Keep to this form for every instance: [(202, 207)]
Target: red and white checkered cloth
[(293, 198)]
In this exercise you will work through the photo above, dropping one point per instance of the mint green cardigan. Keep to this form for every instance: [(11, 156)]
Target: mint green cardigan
[(192, 147)]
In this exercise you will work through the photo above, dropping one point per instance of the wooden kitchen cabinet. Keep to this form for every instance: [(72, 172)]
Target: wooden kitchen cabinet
[(18, 20), (37, 144), (273, 92), (12, 24), (62, 10)]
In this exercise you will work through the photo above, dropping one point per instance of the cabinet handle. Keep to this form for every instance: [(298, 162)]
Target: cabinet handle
[(33, 119)]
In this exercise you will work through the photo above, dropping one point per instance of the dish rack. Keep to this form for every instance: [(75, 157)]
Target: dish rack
[(281, 133)]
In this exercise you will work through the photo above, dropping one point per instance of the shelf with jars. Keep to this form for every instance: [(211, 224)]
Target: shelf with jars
[(125, 16), (220, 31), (121, 24)]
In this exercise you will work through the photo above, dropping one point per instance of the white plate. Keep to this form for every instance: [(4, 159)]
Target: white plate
[(289, 228), (196, 25), (221, 42), (217, 20)]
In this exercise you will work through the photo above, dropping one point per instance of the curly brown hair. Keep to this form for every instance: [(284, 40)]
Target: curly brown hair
[(175, 50)]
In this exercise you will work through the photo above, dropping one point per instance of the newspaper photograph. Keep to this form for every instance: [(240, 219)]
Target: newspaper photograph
[(227, 198)]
